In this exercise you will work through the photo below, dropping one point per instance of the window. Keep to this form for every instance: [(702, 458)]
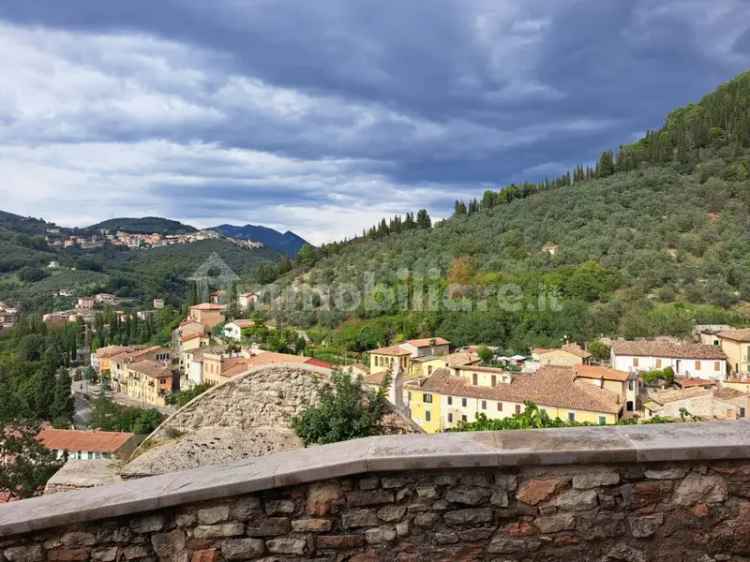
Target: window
[(742, 412), (499, 406), (717, 366), (635, 361), (484, 404), (697, 365), (427, 416), (475, 379), (463, 418), (408, 396), (429, 369), (518, 408), (450, 418), (602, 420), (450, 401), (630, 385), (464, 402), (494, 380), (427, 398), (571, 416), (658, 363)]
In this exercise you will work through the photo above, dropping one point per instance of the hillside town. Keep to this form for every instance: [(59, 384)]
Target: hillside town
[(90, 241)]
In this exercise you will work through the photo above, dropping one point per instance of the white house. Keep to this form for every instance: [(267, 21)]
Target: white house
[(245, 300), (686, 360), (233, 329)]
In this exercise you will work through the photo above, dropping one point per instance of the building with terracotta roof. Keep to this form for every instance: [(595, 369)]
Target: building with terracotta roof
[(100, 359), (443, 400), (89, 445), (686, 359), (408, 360), (208, 314), (704, 403), (735, 343), (150, 381), (120, 363), (626, 385), (233, 329), (568, 355)]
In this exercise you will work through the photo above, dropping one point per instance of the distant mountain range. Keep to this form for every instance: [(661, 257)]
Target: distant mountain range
[(288, 243)]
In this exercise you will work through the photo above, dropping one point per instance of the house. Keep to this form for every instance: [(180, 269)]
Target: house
[(106, 299), (233, 329), (408, 360), (85, 303), (686, 360), (551, 249), (218, 367), (158, 304), (193, 370), (444, 400), (217, 297), (208, 314), (100, 359), (89, 445), (120, 363), (150, 381), (625, 385), (246, 300), (8, 316), (711, 403), (708, 334), (568, 355), (736, 345)]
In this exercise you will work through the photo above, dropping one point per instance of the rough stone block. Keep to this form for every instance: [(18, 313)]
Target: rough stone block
[(24, 554), (105, 554), (246, 507), (312, 525), (534, 492), (68, 554), (389, 482), (219, 531), (505, 545), (134, 552), (556, 523), (468, 516), (148, 524), (78, 539), (268, 527), (705, 489), (359, 518), (665, 474), (643, 527), (576, 500), (467, 495), (205, 555), (242, 549), (380, 535), (340, 542), (213, 515), (280, 507), (362, 498), (500, 498), (392, 513), (287, 546), (428, 492), (589, 480), (369, 483), (169, 545)]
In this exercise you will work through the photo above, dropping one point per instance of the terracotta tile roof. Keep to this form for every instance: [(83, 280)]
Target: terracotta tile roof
[(650, 348), (92, 441), (461, 358), (239, 365), (427, 342), (688, 382), (318, 363), (153, 369), (666, 396), (600, 372), (112, 351), (390, 350), (726, 393), (243, 323), (741, 335), (191, 337), (208, 306), (481, 369), (375, 379), (549, 386), (576, 349)]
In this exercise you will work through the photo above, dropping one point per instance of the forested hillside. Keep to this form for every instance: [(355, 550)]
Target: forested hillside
[(653, 237), (144, 225)]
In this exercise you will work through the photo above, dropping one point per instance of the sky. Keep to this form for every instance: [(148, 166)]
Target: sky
[(324, 116)]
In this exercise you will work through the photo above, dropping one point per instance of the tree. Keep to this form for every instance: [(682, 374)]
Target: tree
[(346, 411), (423, 219), (27, 464), (599, 350), (485, 354), (63, 405), (307, 256)]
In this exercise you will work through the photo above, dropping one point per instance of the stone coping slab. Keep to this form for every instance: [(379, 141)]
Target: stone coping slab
[(585, 445)]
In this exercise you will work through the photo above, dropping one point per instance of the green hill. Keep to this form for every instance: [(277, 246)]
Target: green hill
[(652, 238), (144, 225)]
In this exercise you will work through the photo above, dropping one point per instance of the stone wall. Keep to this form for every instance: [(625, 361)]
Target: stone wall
[(650, 493), (680, 512)]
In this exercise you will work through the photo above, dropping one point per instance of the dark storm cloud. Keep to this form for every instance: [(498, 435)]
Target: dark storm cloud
[(295, 104)]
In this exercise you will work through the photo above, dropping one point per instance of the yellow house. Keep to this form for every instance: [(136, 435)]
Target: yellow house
[(566, 356), (736, 346), (444, 400), (150, 382), (418, 357), (625, 385), (120, 364)]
